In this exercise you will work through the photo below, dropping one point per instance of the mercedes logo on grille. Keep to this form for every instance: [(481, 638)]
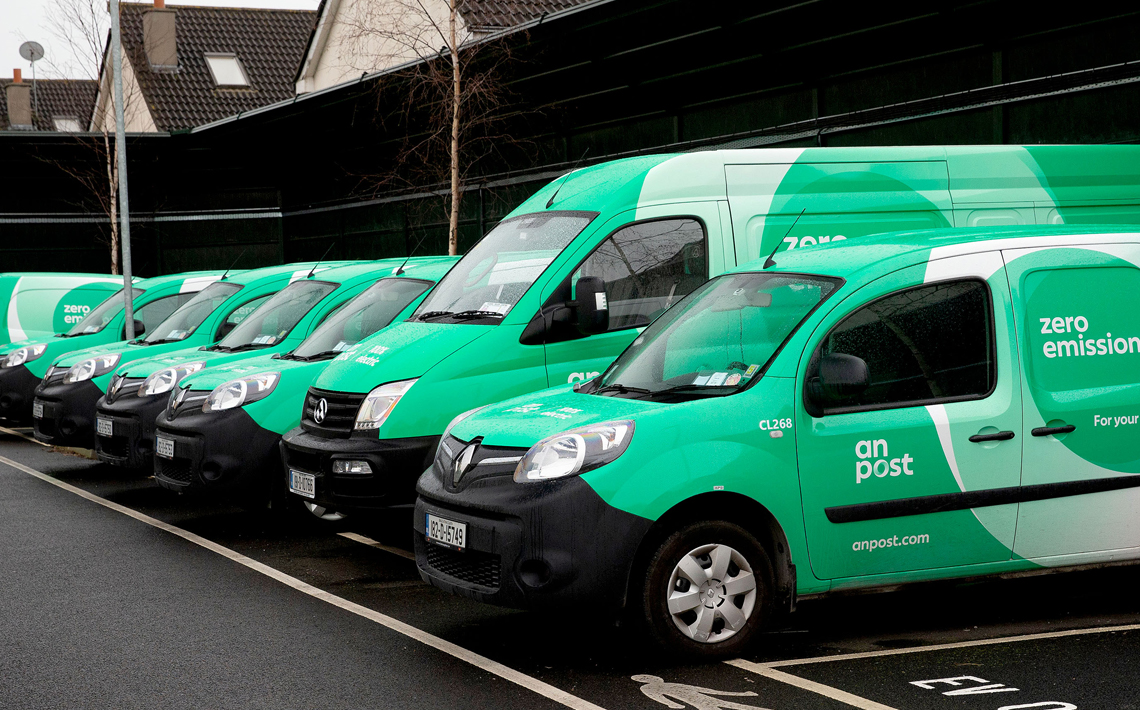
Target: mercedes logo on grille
[(321, 410), (462, 463)]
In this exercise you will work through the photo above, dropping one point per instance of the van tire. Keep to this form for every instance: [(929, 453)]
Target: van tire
[(699, 543)]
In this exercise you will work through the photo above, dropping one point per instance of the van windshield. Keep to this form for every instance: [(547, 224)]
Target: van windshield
[(719, 339), (491, 278), (361, 317), (98, 318), (273, 320), (184, 321)]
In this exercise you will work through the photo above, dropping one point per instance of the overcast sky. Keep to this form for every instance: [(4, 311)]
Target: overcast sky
[(22, 20)]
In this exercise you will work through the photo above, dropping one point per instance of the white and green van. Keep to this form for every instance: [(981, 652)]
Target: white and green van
[(908, 407), (41, 304), (520, 311)]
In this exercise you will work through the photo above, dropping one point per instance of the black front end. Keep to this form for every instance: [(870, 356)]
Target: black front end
[(224, 453), (17, 390), (313, 449), (64, 413), (525, 545), (124, 424)]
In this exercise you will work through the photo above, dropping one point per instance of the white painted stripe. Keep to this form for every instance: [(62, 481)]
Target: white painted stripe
[(196, 284), (483, 663), (372, 543), (13, 432), (810, 685), (941, 420), (15, 330), (951, 646)]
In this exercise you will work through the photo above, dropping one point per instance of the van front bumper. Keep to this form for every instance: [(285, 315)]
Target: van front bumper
[(132, 418), (225, 453), (529, 545), (395, 464), (17, 388), (68, 413)]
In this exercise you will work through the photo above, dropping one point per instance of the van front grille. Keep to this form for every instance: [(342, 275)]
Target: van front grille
[(472, 566), (340, 412)]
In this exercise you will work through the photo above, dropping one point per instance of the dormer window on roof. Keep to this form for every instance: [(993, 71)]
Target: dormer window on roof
[(226, 70), (66, 124)]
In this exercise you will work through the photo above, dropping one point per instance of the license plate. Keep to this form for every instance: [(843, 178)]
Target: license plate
[(38, 410), (446, 532), (164, 447), (304, 484), (104, 427)]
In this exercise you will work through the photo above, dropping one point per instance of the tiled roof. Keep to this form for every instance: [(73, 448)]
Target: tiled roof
[(72, 98), (508, 13), (269, 44)]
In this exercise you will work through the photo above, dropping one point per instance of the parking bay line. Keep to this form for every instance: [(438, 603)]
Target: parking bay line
[(13, 432), (482, 662), (356, 537), (769, 669)]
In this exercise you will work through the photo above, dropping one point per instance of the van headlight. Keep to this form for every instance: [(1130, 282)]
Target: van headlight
[(91, 368), (574, 452), (240, 392), (380, 402), (164, 380), (23, 355)]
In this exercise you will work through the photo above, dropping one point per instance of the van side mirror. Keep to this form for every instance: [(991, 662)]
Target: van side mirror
[(592, 306), (841, 377), (224, 329), (140, 329)]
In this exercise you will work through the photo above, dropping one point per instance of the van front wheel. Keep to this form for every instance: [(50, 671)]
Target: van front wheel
[(708, 590)]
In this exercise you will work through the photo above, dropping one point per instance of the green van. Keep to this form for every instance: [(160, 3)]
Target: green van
[(224, 429), (64, 406), (521, 311), (908, 407), (22, 370), (276, 323), (39, 304)]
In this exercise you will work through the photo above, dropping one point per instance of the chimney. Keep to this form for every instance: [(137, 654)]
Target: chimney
[(159, 36), (19, 96)]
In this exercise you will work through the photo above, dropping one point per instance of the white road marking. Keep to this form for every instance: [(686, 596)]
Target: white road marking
[(827, 691), (950, 646), (22, 435), (494, 667), (372, 543)]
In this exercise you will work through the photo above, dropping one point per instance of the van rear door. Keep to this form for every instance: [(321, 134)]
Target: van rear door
[(838, 200), (1080, 339)]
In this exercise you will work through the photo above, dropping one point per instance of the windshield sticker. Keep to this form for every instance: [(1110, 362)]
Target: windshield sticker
[(339, 347), (733, 380), (751, 371), (91, 329), (176, 335), (717, 379), (495, 307)]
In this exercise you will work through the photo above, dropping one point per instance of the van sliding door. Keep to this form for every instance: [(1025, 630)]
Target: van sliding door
[(839, 201)]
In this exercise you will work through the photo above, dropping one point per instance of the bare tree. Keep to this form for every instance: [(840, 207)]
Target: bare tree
[(83, 27), (450, 77)]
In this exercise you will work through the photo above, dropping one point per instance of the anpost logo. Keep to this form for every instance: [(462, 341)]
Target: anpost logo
[(874, 458)]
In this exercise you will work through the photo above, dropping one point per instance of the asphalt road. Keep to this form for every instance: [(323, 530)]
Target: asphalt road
[(102, 609)]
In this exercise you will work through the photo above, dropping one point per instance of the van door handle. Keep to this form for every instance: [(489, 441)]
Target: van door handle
[(1047, 430), (996, 436)]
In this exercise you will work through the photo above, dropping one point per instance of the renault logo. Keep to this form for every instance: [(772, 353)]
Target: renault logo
[(462, 463), (321, 410)]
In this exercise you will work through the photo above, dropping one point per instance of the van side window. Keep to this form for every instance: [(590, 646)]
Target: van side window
[(160, 309), (921, 346), (238, 315), (648, 267)]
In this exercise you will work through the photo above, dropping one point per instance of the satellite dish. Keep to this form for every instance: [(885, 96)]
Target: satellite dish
[(32, 51)]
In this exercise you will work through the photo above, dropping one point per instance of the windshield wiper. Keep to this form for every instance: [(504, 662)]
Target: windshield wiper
[(160, 341), (247, 346), (466, 315), (695, 389), (433, 314), (317, 356), (622, 389)]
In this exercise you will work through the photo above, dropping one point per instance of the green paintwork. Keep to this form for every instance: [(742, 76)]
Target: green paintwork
[(39, 305), (747, 200), (281, 410), (256, 283), (153, 289), (723, 444)]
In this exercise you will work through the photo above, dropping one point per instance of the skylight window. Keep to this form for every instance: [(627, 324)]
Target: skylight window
[(226, 70), (66, 124)]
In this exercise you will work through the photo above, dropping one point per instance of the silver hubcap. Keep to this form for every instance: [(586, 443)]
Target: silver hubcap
[(712, 593), (324, 513)]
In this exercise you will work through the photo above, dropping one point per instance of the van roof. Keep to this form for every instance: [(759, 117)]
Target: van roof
[(154, 281), (883, 253), (422, 266), (974, 174)]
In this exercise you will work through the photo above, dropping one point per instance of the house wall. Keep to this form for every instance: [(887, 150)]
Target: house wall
[(136, 114)]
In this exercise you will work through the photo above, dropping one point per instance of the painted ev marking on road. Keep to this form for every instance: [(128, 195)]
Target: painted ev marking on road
[(766, 670), (482, 662), (657, 689), (982, 686)]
